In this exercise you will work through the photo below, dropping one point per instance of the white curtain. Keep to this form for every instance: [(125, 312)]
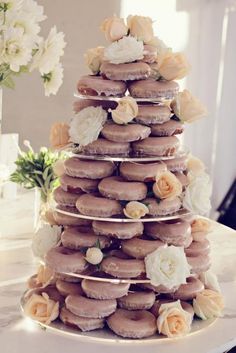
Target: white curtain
[(206, 31), (212, 51)]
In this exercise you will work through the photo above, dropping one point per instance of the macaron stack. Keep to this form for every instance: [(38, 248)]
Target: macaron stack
[(127, 196)]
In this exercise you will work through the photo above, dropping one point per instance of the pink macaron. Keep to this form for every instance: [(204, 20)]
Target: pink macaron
[(125, 72), (98, 86), (156, 146), (153, 89)]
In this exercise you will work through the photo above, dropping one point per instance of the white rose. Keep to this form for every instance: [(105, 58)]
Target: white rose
[(167, 266), (42, 308), (93, 59), (49, 52), (94, 256), (86, 125), (114, 28), (126, 50), (208, 304), (135, 209), (126, 111), (210, 281), (173, 320), (187, 107), (195, 165), (197, 194), (14, 49), (45, 238), (140, 27), (53, 80)]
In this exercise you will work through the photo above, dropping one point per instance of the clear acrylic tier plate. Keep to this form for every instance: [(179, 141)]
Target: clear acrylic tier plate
[(106, 336)]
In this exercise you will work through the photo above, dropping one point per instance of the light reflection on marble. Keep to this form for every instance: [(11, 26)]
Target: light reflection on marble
[(17, 264)]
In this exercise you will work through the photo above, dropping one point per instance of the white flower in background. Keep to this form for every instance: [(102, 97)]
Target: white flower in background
[(10, 5), (140, 27), (167, 266), (14, 49), (197, 194), (187, 107), (49, 52), (45, 238), (173, 320), (210, 281), (26, 24), (114, 28), (208, 304), (53, 80), (135, 210), (4, 173), (93, 59), (125, 50), (195, 166), (87, 125), (126, 111), (31, 7), (94, 256)]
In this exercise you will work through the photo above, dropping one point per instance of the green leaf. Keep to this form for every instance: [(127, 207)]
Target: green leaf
[(8, 82), (45, 172)]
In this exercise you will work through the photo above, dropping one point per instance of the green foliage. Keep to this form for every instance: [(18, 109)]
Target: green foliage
[(36, 170), (6, 75)]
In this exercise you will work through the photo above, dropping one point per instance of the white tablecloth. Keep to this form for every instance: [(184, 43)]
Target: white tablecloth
[(18, 334)]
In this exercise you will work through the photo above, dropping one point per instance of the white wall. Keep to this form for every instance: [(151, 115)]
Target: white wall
[(26, 110)]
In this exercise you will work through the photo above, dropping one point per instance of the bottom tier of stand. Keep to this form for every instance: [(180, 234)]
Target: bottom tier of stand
[(105, 335)]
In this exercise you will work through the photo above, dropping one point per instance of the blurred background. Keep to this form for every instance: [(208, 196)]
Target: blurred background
[(204, 29)]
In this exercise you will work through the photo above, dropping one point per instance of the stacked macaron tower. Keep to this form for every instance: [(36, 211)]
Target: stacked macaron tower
[(133, 258)]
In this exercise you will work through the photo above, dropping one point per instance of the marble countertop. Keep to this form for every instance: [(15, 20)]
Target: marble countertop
[(18, 334)]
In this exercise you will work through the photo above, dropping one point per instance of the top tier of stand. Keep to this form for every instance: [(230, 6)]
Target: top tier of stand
[(182, 152), (160, 100)]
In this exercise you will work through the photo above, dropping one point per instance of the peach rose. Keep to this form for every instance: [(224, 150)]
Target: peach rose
[(45, 276), (200, 225), (173, 320), (167, 186), (135, 209), (208, 304), (126, 111), (59, 135), (159, 45), (195, 165), (58, 168), (42, 308), (172, 66), (187, 107), (48, 217), (140, 27), (114, 28), (93, 59)]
